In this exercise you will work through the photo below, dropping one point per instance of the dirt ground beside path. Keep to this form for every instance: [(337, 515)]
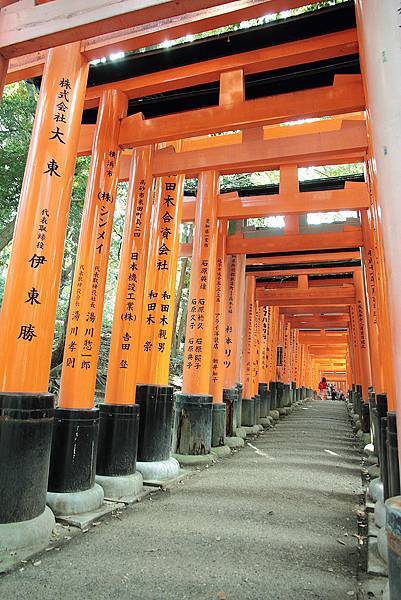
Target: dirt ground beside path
[(276, 521)]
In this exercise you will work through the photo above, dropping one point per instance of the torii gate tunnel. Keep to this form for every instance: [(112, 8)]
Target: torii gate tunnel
[(270, 312)]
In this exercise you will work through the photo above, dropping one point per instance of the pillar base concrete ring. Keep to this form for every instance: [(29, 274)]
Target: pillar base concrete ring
[(195, 460), (235, 442), (380, 514), (375, 490), (254, 430), (121, 486), (266, 422), (240, 432), (25, 538), (382, 544), (159, 470), (75, 503), (221, 451)]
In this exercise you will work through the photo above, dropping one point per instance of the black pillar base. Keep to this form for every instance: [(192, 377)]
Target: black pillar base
[(156, 404), (257, 408), (230, 398), (26, 424), (238, 410), (193, 424), (74, 448), (280, 394), (286, 395), (218, 425), (392, 456), (118, 439), (262, 390), (273, 394), (248, 412)]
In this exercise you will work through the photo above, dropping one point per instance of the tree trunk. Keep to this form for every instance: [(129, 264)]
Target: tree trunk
[(6, 234), (181, 328), (181, 284)]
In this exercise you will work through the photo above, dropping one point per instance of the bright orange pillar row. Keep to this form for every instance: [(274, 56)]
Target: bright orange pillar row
[(158, 302), (78, 378), (123, 356), (198, 338), (31, 292), (219, 314)]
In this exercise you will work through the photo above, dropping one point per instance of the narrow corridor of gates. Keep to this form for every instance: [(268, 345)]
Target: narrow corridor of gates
[(276, 521), (273, 142)]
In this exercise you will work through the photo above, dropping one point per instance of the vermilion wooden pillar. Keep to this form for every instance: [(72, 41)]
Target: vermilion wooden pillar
[(372, 299), (193, 433), (248, 403), (75, 436), (30, 298), (218, 347), (78, 379), (362, 332), (153, 393), (233, 340), (219, 324)]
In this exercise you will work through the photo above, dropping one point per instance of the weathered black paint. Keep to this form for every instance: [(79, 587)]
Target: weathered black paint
[(218, 425), (393, 527), (118, 439), (238, 407), (193, 424), (248, 412), (262, 390), (268, 402), (273, 392), (280, 394), (230, 398), (74, 447), (26, 423), (392, 456), (155, 424), (256, 399)]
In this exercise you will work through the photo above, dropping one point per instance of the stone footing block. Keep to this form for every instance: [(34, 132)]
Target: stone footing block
[(158, 470), (75, 503), (19, 541), (195, 460), (240, 432), (121, 488), (221, 451), (235, 442)]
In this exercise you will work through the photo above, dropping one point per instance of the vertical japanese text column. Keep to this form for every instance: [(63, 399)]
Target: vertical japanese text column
[(73, 460), (31, 292), (194, 404)]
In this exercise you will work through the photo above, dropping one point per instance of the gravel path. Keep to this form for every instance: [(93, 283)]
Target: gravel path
[(276, 521)]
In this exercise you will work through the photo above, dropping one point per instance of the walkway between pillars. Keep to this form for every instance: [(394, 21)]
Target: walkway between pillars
[(273, 523)]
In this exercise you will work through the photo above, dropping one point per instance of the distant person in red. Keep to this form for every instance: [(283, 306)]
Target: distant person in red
[(323, 388)]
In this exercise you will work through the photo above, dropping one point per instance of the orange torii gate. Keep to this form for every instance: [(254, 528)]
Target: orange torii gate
[(266, 321)]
